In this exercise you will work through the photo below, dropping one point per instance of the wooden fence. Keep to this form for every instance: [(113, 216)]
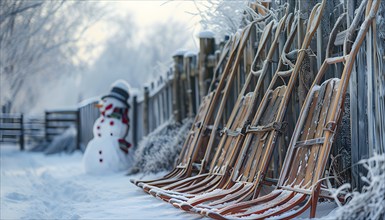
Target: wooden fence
[(33, 129), (12, 129)]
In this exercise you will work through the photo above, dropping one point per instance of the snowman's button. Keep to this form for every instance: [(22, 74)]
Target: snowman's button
[(99, 135), (98, 127), (101, 160), (102, 121), (111, 123), (111, 134), (100, 152)]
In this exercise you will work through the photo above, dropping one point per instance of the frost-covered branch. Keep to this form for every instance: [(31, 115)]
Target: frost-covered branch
[(369, 204), (38, 42)]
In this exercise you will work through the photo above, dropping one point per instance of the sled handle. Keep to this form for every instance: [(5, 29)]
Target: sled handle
[(314, 21)]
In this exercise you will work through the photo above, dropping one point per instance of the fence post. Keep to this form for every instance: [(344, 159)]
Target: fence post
[(178, 96), (188, 69), (21, 132), (78, 128), (135, 120), (207, 49), (46, 125), (146, 124)]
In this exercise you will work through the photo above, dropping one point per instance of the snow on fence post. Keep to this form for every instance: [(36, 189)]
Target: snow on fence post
[(145, 111), (206, 61)]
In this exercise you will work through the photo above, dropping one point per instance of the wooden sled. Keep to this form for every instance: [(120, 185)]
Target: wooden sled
[(299, 185), (261, 138), (208, 184), (231, 133), (180, 169), (197, 140)]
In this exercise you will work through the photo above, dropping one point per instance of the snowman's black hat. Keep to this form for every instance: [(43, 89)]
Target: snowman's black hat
[(119, 94)]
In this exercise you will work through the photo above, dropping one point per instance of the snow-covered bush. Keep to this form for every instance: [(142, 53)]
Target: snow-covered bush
[(159, 150), (370, 203), (66, 142)]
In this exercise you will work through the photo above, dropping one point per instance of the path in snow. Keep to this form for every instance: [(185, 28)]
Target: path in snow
[(35, 186)]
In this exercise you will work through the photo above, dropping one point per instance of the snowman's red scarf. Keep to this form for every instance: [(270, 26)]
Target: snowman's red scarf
[(124, 145), (119, 113)]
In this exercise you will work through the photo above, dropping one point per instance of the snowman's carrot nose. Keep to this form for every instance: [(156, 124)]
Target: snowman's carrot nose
[(98, 105)]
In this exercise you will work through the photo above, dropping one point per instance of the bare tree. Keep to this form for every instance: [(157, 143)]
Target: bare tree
[(38, 41)]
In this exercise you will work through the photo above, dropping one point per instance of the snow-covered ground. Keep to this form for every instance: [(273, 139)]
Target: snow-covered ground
[(36, 186)]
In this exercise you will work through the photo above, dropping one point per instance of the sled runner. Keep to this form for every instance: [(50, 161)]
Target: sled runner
[(198, 141), (226, 154), (299, 185)]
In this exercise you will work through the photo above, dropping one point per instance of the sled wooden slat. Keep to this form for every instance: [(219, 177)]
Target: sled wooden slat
[(310, 142)]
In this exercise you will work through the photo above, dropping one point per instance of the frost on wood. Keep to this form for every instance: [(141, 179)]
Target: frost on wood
[(160, 149), (369, 204)]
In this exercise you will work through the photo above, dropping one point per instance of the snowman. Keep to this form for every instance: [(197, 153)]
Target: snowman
[(108, 150)]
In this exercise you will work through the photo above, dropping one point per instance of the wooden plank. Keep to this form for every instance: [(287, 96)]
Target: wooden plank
[(310, 142), (134, 120), (304, 155), (146, 111), (10, 126), (314, 159), (11, 133)]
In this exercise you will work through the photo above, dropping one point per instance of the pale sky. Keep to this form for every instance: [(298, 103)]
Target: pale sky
[(150, 12), (145, 13)]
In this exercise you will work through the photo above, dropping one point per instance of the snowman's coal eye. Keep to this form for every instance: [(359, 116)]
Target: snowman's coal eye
[(111, 134)]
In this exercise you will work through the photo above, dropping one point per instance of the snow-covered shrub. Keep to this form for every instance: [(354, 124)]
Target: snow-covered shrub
[(370, 203), (65, 142), (159, 150)]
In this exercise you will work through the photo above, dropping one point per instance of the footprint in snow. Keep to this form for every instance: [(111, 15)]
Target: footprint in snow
[(15, 197)]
